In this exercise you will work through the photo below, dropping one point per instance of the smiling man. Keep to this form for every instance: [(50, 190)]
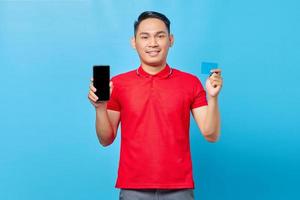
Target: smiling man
[(153, 104)]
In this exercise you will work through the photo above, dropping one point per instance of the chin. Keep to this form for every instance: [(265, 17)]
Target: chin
[(154, 64)]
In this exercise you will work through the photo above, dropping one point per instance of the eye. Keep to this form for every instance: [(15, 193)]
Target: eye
[(161, 36), (144, 37)]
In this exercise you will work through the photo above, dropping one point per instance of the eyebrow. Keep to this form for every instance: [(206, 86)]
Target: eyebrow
[(157, 33)]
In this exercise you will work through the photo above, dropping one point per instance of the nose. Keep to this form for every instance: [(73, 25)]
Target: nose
[(153, 42)]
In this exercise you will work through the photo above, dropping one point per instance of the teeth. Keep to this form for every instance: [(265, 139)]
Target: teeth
[(153, 53)]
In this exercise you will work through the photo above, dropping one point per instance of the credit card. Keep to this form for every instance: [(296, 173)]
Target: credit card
[(206, 67)]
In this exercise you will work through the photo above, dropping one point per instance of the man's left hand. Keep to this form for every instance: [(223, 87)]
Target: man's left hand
[(214, 83)]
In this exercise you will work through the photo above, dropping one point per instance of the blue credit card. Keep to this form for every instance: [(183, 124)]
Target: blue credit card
[(206, 67)]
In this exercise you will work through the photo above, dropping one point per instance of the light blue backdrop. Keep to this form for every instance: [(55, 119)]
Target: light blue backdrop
[(48, 146)]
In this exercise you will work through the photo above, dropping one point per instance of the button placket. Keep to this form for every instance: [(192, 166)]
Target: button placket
[(151, 83)]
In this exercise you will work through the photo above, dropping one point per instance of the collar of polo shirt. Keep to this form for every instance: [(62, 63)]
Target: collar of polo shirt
[(165, 73)]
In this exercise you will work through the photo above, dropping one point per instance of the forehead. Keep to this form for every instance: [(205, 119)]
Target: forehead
[(152, 25)]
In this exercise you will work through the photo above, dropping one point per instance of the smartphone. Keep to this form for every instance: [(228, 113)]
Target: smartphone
[(101, 75)]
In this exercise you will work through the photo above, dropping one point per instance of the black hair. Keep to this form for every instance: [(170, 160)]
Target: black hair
[(151, 14)]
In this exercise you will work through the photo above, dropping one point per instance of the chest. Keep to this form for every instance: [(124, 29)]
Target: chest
[(168, 95)]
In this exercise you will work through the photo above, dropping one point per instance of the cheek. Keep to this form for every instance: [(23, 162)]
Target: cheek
[(165, 45), (139, 46), (139, 49), (165, 49)]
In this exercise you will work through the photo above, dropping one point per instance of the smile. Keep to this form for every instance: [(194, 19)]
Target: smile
[(153, 53)]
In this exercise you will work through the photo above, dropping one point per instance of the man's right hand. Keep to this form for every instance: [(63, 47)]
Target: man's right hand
[(93, 97)]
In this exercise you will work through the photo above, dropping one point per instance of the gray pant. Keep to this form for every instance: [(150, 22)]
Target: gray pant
[(156, 194)]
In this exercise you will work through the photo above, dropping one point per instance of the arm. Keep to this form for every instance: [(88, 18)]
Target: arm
[(208, 117), (208, 120), (107, 121)]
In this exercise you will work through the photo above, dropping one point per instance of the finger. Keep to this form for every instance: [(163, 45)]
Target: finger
[(92, 99), (215, 72), (111, 86), (218, 83), (219, 80), (92, 88), (215, 83), (216, 78), (93, 95)]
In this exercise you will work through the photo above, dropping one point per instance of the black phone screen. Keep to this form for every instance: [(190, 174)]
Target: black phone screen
[(101, 75)]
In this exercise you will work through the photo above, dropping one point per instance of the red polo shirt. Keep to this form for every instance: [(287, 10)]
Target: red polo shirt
[(155, 121)]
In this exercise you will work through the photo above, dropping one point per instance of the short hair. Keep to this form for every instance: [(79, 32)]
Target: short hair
[(151, 14)]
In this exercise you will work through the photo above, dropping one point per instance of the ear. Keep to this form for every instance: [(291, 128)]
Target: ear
[(171, 38), (133, 42)]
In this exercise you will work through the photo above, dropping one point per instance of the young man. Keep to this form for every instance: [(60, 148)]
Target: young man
[(153, 104)]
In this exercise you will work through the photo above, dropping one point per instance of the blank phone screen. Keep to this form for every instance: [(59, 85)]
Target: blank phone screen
[(101, 77)]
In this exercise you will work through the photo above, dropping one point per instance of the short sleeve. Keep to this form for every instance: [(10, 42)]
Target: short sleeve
[(113, 103), (199, 94)]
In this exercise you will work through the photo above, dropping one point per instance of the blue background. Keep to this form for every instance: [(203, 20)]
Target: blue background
[(48, 145)]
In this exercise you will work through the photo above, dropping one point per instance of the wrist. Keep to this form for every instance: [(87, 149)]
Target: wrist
[(212, 98), (101, 107)]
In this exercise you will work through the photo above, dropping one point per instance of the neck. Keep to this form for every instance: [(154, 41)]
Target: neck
[(153, 69)]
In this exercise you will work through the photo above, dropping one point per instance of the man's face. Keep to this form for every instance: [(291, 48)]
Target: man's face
[(152, 42)]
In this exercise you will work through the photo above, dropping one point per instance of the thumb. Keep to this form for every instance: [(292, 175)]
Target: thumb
[(111, 86)]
